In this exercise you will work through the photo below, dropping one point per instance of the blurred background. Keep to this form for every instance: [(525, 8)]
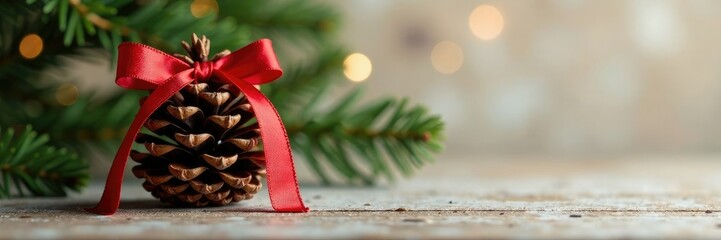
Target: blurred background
[(550, 76), (557, 77)]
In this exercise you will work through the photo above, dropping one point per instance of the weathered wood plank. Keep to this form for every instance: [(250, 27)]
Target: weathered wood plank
[(633, 197)]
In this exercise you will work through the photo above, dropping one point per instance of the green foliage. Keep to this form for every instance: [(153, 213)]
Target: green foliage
[(299, 24), (87, 123), (29, 164), (383, 134), (67, 31), (361, 143)]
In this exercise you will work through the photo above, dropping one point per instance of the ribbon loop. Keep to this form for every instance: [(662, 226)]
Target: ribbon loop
[(141, 67), (145, 68)]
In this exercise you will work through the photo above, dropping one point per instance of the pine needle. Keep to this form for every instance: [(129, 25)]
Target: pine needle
[(29, 164)]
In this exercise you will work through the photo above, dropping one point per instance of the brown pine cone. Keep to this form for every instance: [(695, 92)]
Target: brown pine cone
[(204, 148)]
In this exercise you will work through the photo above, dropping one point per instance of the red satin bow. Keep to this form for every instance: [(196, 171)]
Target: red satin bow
[(145, 68)]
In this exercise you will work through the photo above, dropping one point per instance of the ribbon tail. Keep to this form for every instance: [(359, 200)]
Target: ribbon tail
[(110, 200), (282, 180)]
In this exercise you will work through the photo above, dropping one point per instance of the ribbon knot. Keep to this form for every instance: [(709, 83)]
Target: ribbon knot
[(145, 68), (202, 71)]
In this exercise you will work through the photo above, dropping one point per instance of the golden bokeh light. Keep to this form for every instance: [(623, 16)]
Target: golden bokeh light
[(357, 67), (67, 94), (31, 46), (200, 8), (447, 57), (486, 22)]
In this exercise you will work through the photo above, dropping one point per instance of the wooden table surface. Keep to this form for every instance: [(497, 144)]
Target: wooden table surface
[(457, 197)]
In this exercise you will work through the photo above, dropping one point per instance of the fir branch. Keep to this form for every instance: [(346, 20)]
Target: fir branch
[(291, 20), (362, 143), (162, 24), (28, 164), (97, 25), (90, 121), (97, 20), (25, 73)]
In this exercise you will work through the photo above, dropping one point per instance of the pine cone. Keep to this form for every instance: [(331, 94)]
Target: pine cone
[(210, 156)]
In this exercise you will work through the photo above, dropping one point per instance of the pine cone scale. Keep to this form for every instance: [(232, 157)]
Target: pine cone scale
[(220, 163), (194, 141), (157, 177), (236, 181), (218, 195), (185, 173), (201, 187), (174, 189)]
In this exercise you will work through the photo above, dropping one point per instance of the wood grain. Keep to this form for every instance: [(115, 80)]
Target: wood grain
[(482, 197)]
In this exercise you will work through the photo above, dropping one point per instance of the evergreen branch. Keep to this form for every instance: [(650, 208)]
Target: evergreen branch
[(361, 143), (27, 163), (99, 122), (386, 133), (97, 20), (292, 20), (162, 24), (86, 121), (25, 73)]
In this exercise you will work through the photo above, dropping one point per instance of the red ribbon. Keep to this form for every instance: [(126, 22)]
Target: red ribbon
[(145, 68)]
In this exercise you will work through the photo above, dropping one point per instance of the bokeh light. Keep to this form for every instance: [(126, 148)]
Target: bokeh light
[(31, 46), (200, 8), (447, 57), (67, 94), (357, 67), (486, 22)]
